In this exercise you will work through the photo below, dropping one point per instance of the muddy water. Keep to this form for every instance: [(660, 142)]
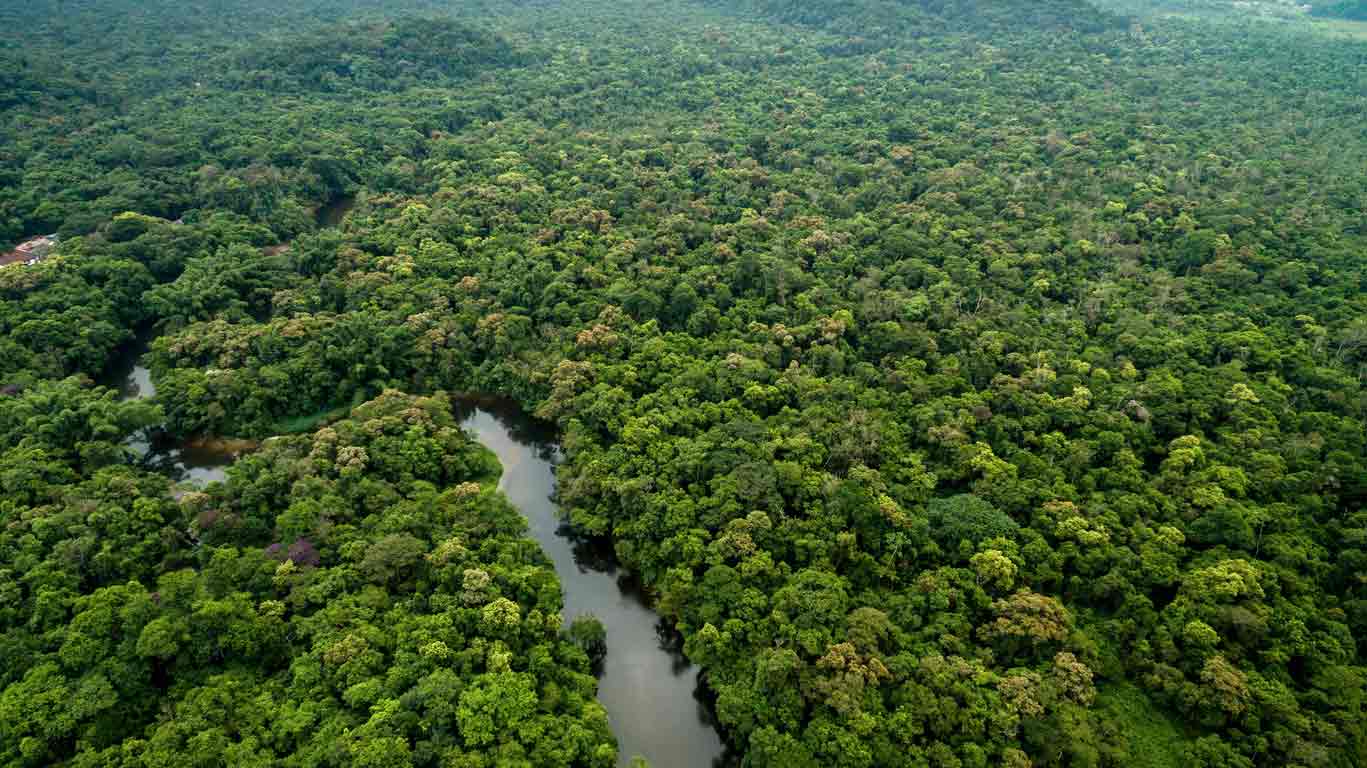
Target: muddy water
[(650, 690)]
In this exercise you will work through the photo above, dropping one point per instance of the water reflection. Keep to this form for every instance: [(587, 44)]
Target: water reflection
[(653, 696), (197, 462)]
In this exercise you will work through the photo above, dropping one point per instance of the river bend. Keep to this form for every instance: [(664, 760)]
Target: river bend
[(650, 690)]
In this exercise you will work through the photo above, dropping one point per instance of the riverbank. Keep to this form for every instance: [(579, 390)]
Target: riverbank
[(655, 701), (197, 460), (657, 705)]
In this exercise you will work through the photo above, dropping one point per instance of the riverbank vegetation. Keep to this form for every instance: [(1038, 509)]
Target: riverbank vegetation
[(975, 383), (361, 595)]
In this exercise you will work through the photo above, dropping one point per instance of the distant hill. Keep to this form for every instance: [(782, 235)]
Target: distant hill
[(147, 46), (374, 56), (1355, 10)]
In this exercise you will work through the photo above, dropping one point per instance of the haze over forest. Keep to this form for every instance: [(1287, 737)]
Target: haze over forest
[(960, 383)]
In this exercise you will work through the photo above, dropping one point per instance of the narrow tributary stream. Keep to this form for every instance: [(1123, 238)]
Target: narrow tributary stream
[(650, 690)]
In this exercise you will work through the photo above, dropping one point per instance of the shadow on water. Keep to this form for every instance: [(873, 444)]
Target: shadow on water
[(331, 214), (656, 703), (197, 461), (596, 556)]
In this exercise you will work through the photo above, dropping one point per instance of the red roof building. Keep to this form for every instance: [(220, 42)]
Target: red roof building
[(29, 251)]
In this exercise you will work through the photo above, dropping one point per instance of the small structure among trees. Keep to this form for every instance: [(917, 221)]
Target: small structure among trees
[(30, 251)]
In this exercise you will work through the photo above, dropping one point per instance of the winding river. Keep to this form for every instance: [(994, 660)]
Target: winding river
[(655, 703), (651, 692)]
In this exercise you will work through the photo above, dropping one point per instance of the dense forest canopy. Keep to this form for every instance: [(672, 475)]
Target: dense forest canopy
[(971, 382)]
